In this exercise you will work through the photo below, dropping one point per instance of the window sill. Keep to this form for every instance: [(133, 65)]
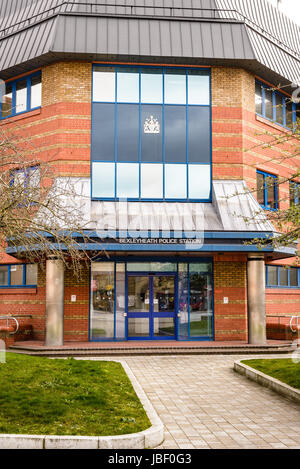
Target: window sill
[(18, 291), (272, 124), (23, 115), (282, 290)]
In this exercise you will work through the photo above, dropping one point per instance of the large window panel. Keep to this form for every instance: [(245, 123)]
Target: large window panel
[(3, 275), (127, 85), (152, 181), (36, 92), (198, 87), (294, 277), (16, 275), (31, 274), (175, 181), (199, 181), (199, 134), (289, 114), (21, 96), (268, 103), (200, 302), (141, 115), (258, 98), (272, 275), (279, 108), (103, 180), (128, 180), (128, 132), (152, 86), (175, 134), (283, 276), (151, 133), (102, 299), (7, 101), (175, 87), (260, 188), (104, 84), (103, 146)]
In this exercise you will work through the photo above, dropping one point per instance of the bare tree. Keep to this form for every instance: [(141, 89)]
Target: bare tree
[(285, 220), (39, 211)]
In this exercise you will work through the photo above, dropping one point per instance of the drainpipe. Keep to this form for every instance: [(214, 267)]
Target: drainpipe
[(54, 302), (256, 293)]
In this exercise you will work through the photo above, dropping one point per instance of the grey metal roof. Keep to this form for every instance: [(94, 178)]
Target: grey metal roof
[(244, 33), (233, 208)]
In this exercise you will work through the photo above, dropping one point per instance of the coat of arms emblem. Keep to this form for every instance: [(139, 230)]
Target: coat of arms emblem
[(151, 126)]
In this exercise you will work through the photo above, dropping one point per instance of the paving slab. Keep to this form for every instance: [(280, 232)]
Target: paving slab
[(203, 403)]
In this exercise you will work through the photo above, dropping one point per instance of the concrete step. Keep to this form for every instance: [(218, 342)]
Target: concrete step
[(133, 351)]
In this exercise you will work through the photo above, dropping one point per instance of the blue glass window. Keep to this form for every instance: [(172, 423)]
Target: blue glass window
[(275, 106), (282, 276), (199, 134), (198, 89), (152, 118), (127, 180), (151, 133), (127, 85), (267, 190), (175, 134), (103, 180), (175, 86), (152, 86), (103, 132), (18, 275), (104, 84), (294, 193), (22, 95), (128, 132), (175, 181), (151, 181)]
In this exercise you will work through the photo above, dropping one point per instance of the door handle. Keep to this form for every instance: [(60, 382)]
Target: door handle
[(179, 315), (125, 315)]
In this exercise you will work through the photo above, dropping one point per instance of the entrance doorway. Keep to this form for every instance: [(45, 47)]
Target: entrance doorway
[(151, 306)]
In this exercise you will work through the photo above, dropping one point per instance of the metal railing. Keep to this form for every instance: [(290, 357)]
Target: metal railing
[(293, 318), (10, 318), (140, 10)]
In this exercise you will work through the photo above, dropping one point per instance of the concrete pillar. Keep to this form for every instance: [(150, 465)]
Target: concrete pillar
[(54, 302), (256, 293)]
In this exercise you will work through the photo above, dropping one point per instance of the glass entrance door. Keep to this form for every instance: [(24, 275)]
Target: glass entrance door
[(151, 306)]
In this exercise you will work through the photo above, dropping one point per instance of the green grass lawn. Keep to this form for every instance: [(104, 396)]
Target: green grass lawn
[(282, 369), (67, 397)]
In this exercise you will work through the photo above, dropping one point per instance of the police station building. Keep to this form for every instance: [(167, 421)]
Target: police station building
[(159, 110)]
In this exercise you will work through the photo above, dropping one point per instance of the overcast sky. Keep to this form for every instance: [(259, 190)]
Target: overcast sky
[(290, 8)]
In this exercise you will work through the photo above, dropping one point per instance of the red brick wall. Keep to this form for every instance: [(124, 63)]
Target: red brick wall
[(230, 281)]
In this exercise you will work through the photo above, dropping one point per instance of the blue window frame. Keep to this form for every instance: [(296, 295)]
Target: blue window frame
[(275, 106), (267, 190), (282, 276), (113, 303), (294, 193), (151, 133), (21, 95), (25, 184), (18, 275)]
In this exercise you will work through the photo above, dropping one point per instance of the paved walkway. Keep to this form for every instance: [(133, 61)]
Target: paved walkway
[(203, 403)]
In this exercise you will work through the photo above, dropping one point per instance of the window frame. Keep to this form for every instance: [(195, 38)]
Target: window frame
[(296, 200), (288, 268), (266, 176), (23, 285), (164, 69), (26, 172), (284, 97), (13, 83)]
